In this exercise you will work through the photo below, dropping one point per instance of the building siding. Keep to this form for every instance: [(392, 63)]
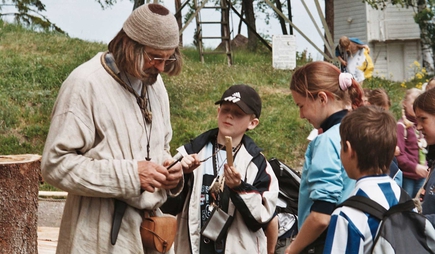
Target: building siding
[(392, 23), (386, 55), (392, 35), (350, 20)]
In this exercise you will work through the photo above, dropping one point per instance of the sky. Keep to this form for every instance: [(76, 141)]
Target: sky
[(86, 20)]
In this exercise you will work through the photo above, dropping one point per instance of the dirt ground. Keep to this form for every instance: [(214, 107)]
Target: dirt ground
[(50, 212)]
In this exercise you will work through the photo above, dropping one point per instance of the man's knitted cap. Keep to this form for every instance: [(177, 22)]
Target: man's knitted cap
[(154, 26)]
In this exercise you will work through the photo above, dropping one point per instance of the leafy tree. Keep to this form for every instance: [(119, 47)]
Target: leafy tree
[(28, 12)]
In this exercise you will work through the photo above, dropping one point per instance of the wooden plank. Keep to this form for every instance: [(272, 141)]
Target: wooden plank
[(47, 240), (52, 194)]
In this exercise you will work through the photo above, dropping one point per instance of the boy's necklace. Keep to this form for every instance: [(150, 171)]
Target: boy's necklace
[(216, 187)]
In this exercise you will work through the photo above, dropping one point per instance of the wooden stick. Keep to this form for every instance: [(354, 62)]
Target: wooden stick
[(229, 148)]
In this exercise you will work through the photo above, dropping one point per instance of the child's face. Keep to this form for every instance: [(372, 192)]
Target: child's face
[(309, 109), (365, 100), (233, 122), (426, 124)]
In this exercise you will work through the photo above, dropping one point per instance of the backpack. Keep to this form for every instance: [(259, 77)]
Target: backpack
[(401, 230), (289, 181), (287, 207)]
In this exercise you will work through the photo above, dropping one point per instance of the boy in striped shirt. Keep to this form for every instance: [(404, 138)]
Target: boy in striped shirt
[(368, 141)]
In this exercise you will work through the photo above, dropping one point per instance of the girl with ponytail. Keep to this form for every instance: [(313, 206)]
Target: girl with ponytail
[(324, 95)]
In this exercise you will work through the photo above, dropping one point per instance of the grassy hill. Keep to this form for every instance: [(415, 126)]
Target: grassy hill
[(34, 65)]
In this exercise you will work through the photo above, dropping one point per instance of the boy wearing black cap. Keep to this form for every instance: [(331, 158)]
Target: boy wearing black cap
[(248, 192)]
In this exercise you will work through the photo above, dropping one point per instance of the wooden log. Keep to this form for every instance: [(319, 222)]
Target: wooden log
[(19, 185)]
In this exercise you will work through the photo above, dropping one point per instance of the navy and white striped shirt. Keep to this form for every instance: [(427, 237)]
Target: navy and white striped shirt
[(352, 231)]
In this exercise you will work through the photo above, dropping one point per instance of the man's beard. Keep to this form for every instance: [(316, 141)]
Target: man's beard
[(151, 77)]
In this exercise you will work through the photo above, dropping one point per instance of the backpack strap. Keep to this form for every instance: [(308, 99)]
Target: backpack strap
[(405, 203), (401, 207), (404, 196), (365, 204)]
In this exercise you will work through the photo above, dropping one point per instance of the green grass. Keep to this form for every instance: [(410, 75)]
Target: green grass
[(34, 65)]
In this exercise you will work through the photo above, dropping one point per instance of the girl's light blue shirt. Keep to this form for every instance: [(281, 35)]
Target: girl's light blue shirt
[(323, 176)]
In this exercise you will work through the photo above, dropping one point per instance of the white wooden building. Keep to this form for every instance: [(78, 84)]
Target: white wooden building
[(392, 35)]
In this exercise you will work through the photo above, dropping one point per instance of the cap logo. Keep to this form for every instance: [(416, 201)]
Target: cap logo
[(235, 97)]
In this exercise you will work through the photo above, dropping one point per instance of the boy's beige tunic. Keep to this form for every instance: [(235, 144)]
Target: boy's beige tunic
[(96, 137)]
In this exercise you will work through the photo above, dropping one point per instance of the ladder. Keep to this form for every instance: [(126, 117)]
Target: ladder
[(211, 25)]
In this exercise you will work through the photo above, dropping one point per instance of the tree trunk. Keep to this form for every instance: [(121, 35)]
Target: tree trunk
[(19, 184), (290, 16), (179, 19), (138, 3), (329, 17), (250, 19), (281, 20), (426, 46)]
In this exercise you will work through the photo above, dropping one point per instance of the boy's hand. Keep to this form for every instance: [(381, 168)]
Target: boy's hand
[(189, 163), (232, 176)]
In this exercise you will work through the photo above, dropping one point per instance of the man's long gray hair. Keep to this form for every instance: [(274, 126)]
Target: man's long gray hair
[(129, 57)]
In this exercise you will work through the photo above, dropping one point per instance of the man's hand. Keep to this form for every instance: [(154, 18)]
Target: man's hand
[(174, 177), (151, 175), (232, 176)]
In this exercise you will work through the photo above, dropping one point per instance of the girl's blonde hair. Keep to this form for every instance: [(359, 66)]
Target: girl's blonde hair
[(410, 92), (321, 76)]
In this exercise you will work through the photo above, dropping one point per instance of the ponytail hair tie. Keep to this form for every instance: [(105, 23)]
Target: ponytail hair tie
[(345, 81)]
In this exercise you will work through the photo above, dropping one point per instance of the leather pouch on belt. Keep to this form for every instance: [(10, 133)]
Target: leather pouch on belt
[(158, 233)]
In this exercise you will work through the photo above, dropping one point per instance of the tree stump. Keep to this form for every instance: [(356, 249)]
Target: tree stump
[(19, 185)]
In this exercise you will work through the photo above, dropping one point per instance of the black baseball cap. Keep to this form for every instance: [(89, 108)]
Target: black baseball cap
[(245, 97)]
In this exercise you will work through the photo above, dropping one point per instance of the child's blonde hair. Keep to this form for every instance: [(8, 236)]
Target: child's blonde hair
[(413, 92), (321, 76), (344, 43)]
